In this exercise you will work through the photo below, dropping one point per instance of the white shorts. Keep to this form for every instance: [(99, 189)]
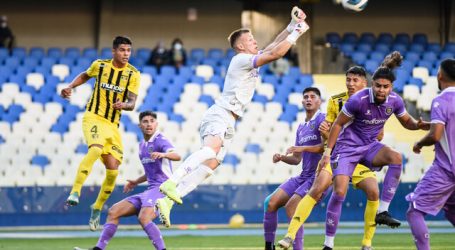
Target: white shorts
[(218, 121)]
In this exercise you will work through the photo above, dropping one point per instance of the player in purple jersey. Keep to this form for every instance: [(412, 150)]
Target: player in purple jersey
[(156, 154), (291, 192), (355, 133), (436, 189)]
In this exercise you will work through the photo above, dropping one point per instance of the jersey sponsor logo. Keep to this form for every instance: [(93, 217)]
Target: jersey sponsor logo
[(308, 138), (116, 149), (147, 160), (389, 110), (112, 87), (374, 121)]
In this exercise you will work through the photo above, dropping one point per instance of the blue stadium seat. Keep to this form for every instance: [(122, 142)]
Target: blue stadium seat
[(83, 62), (72, 52), (419, 48), (217, 79), (415, 81), (364, 47), (82, 148), (426, 64), (48, 62), (143, 53), (30, 62), (151, 70), (23, 70), (347, 48), (168, 70), (162, 80), (412, 56), (430, 56), (371, 65), (420, 38), (260, 98), (43, 70), (206, 99), (19, 79), (333, 38), (383, 48), (54, 52), (185, 71), (359, 57), (400, 48), (229, 54), (408, 65), (350, 38), (197, 54), (215, 53), (176, 118), (398, 85), (90, 53), (450, 47), (179, 80), (270, 79), (5, 71), (403, 74), (37, 52), (434, 47), (231, 159), (210, 61), (12, 62), (4, 53), (306, 80), (385, 38), (446, 55), (403, 38), (106, 53), (197, 79), (40, 160), (288, 81), (295, 71), (367, 37), (253, 148), (377, 56), (288, 117), (19, 52), (29, 89), (2, 140)]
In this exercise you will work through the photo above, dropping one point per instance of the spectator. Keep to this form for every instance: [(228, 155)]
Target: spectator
[(280, 67), (6, 35), (177, 53), (159, 56)]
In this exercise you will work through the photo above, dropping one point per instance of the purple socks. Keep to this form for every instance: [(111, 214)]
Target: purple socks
[(109, 230), (333, 214), (270, 225), (391, 181), (154, 234), (418, 228)]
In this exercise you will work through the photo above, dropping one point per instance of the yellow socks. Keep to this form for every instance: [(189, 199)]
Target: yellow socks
[(302, 212), (370, 225), (85, 168), (106, 189)]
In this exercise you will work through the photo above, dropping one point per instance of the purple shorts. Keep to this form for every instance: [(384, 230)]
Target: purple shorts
[(345, 158), (434, 191), (145, 199), (300, 186)]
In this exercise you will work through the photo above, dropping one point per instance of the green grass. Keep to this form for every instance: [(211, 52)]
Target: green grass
[(312, 242)]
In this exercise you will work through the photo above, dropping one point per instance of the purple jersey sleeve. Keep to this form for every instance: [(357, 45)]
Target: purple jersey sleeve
[(399, 109), (351, 107), (165, 145), (438, 114)]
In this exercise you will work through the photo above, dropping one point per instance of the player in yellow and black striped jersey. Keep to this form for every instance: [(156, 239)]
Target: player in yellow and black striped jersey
[(362, 178), (116, 88)]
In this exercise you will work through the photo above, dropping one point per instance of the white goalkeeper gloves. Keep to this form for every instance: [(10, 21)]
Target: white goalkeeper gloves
[(297, 16), (298, 30)]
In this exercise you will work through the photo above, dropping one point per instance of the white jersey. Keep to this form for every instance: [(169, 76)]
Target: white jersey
[(240, 83)]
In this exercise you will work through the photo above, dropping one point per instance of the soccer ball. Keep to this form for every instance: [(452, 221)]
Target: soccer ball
[(354, 5)]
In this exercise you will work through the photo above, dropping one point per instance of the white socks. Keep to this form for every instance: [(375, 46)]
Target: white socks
[(329, 241), (383, 206), (192, 180), (192, 162)]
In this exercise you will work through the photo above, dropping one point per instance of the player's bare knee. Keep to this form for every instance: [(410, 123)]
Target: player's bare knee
[(315, 192), (144, 220), (113, 213)]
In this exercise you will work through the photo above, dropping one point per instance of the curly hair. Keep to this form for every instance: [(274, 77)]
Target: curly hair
[(385, 71)]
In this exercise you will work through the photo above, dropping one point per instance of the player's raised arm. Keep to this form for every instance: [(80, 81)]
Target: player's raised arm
[(78, 80), (280, 49)]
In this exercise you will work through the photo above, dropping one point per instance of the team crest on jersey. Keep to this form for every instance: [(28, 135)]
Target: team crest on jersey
[(368, 112), (150, 149), (124, 77), (389, 110), (312, 126)]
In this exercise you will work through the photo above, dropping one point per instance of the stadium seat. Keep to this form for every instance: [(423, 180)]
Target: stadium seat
[(420, 72), (40, 160), (350, 38), (197, 54), (253, 148), (450, 47), (411, 92), (420, 38), (434, 47), (54, 52), (90, 53), (205, 71), (72, 52), (367, 37), (333, 38), (215, 53), (402, 38), (385, 38)]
